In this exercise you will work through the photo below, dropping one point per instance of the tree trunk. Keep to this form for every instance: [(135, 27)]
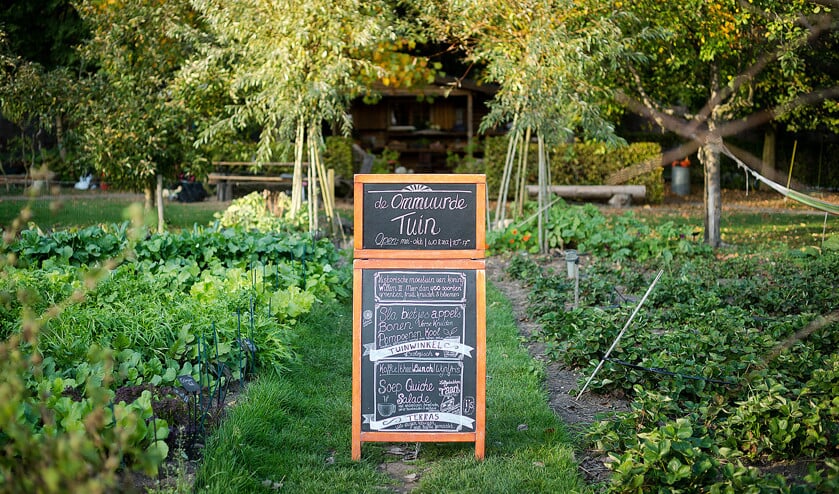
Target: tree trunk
[(158, 198), (709, 156), (768, 160), (59, 138), (148, 198)]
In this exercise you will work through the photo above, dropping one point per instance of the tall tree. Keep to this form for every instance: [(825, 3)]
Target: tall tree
[(290, 66), (38, 75), (548, 58), (135, 132), (718, 67)]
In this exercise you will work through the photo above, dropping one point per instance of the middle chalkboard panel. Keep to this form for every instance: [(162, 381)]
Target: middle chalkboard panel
[(418, 333)]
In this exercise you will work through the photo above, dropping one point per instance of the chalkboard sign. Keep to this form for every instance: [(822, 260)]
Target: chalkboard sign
[(420, 216), (419, 351)]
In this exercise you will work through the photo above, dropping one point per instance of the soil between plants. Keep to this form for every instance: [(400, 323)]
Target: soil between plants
[(561, 383)]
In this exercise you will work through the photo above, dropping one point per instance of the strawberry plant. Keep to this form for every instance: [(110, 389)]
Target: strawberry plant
[(741, 374)]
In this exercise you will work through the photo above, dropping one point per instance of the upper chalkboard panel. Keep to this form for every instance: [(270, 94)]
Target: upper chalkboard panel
[(420, 216)]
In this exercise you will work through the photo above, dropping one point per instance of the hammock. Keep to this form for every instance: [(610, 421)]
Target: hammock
[(811, 201)]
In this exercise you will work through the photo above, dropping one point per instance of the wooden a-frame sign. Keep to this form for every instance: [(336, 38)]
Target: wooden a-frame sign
[(419, 322)]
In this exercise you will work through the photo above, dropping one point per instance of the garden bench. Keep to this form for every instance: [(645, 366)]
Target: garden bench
[(226, 182), (15, 179), (616, 194)]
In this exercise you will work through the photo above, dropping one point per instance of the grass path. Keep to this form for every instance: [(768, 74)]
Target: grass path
[(291, 433)]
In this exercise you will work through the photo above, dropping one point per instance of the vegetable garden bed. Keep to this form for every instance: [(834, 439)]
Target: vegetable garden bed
[(120, 346), (731, 368)]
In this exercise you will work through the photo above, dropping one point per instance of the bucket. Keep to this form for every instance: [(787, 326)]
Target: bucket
[(680, 180)]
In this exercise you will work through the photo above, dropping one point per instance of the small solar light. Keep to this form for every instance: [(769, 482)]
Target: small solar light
[(571, 261)]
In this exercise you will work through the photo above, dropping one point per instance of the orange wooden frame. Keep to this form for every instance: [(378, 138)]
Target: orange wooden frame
[(421, 178), (479, 436)]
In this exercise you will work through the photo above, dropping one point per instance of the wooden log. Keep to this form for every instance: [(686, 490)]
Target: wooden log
[(593, 191)]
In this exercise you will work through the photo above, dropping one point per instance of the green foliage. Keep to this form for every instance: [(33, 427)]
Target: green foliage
[(547, 59), (337, 154), (280, 73), (719, 342), (774, 423), (37, 100), (251, 213), (511, 239), (52, 443), (87, 246), (588, 230), (156, 306), (582, 163), (133, 127)]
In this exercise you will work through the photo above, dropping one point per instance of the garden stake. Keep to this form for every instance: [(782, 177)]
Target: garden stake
[(241, 350), (824, 229), (219, 373), (251, 344), (625, 326), (303, 263), (202, 363)]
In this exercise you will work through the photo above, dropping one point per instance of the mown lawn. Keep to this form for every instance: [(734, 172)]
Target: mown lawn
[(89, 209), (293, 430)]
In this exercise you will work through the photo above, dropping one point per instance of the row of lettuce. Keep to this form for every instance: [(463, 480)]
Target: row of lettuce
[(731, 369), (85, 313)]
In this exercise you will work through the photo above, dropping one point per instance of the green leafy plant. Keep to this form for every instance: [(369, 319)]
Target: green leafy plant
[(52, 443), (251, 212)]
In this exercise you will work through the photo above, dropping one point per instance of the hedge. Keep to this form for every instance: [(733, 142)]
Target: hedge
[(578, 164)]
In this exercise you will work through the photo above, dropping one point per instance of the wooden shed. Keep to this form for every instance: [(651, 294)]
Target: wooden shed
[(424, 125)]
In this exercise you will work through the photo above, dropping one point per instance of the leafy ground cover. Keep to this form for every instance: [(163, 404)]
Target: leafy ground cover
[(118, 341), (730, 368)]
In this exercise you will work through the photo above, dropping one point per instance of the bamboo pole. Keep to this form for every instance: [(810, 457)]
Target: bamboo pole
[(297, 180), (500, 207), (625, 326), (323, 181), (522, 176), (313, 191), (791, 162), (543, 196)]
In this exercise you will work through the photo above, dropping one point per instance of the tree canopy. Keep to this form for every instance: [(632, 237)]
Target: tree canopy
[(159, 84), (134, 129), (718, 68)]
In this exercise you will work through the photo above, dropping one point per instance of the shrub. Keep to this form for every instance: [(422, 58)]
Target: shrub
[(252, 213), (338, 156)]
